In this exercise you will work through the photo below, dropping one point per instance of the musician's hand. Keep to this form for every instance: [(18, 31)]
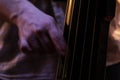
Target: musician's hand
[(38, 33)]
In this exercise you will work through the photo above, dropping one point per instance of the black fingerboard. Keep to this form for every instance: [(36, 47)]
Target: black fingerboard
[(86, 33)]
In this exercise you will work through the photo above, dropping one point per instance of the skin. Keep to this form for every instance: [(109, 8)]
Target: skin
[(37, 31), (113, 55)]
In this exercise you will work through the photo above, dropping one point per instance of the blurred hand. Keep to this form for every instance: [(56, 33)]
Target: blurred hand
[(38, 33)]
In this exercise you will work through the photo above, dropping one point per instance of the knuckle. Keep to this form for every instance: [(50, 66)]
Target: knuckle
[(45, 25), (50, 21)]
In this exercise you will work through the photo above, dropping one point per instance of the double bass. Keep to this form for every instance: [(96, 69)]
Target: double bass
[(86, 34)]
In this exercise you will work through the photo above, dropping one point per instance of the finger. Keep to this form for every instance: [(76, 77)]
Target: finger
[(45, 42), (58, 40), (24, 46), (33, 42), (34, 45)]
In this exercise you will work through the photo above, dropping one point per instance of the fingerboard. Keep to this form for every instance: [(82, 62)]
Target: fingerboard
[(86, 33)]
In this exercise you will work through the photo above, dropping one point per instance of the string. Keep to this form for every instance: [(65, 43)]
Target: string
[(92, 46), (59, 65), (66, 57), (75, 39), (84, 38), (59, 62)]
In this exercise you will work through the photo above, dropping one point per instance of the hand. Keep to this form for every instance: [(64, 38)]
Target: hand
[(38, 33)]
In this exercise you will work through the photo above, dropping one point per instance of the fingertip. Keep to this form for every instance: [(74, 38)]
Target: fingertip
[(25, 49), (24, 46), (63, 50)]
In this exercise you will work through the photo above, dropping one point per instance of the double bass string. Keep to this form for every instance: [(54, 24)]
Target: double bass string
[(84, 40), (59, 65), (92, 44), (75, 39), (72, 2)]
